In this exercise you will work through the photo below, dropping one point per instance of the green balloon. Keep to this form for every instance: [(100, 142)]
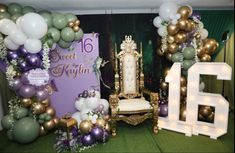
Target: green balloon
[(5, 15), (14, 17), (177, 57), (79, 35), (50, 42), (48, 18), (41, 121), (59, 21), (14, 8), (189, 53), (184, 72), (67, 34), (64, 44), (42, 116), (54, 14), (20, 113), (54, 33), (28, 9), (10, 134), (187, 64), (48, 117), (44, 11), (26, 130), (70, 17), (7, 121)]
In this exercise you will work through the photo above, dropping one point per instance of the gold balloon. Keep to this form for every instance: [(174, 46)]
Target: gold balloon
[(42, 131), (77, 23), (100, 122), (180, 37), (107, 127), (76, 28), (183, 90), (50, 111), (200, 117), (38, 108), (198, 36), (172, 29), (85, 126), (200, 52), (211, 117), (205, 111), (71, 24), (26, 102), (170, 39), (173, 48), (190, 25), (3, 8), (168, 56), (182, 24), (49, 125), (163, 85), (56, 121), (185, 12), (183, 81), (205, 58), (160, 52), (183, 113), (46, 102), (166, 71), (210, 45)]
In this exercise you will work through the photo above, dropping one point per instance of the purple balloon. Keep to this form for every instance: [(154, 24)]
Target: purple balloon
[(24, 78), (33, 60), (27, 91), (16, 84), (12, 55), (163, 110), (22, 51), (97, 133), (106, 136), (87, 140), (24, 66), (42, 95)]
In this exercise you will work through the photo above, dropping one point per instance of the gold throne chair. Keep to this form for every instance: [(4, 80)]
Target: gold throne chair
[(128, 102)]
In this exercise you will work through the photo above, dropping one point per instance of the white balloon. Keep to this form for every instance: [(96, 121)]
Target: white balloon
[(157, 22), (105, 103), (92, 103), (97, 94), (77, 116), (204, 33), (167, 9), (18, 37), (18, 21), (7, 26), (201, 86), (79, 103), (33, 45), (33, 25), (10, 44), (162, 31)]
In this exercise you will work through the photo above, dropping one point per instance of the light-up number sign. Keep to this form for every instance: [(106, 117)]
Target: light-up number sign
[(194, 98)]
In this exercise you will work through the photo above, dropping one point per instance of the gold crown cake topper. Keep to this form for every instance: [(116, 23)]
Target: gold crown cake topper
[(128, 44)]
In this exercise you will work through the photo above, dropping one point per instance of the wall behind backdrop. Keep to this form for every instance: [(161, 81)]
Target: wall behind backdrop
[(113, 28)]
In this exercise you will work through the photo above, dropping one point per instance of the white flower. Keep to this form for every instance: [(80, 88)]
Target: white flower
[(94, 118)]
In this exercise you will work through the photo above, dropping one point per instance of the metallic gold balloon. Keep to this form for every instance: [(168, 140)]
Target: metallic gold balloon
[(42, 131), (205, 111), (100, 122), (51, 111), (26, 102), (200, 117), (200, 52), (107, 127), (183, 81), (3, 8), (173, 48), (210, 45), (180, 37), (211, 117), (182, 24), (190, 25), (183, 113), (46, 102), (71, 24), (198, 36), (185, 12), (163, 85), (76, 28), (77, 22), (49, 125), (170, 39), (205, 58), (56, 121), (168, 56), (160, 52), (172, 29), (166, 71), (183, 90), (38, 108), (85, 126)]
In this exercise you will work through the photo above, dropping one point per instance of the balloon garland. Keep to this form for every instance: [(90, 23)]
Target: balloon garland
[(26, 38), (184, 39)]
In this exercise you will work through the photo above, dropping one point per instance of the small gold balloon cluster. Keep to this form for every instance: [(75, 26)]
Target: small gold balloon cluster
[(185, 30), (3, 8), (44, 112), (206, 113), (86, 125), (74, 25)]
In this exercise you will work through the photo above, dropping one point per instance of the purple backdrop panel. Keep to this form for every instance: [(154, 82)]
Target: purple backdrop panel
[(72, 71)]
